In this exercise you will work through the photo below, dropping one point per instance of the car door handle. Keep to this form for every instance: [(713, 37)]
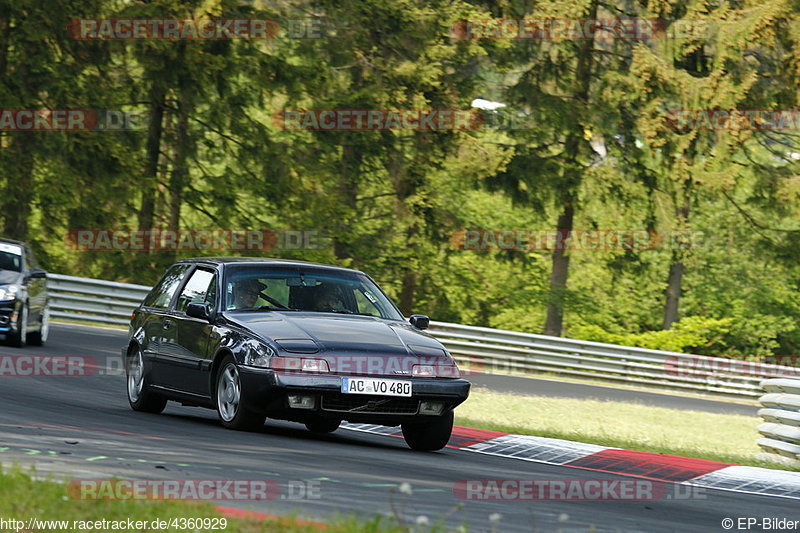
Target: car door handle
[(168, 323)]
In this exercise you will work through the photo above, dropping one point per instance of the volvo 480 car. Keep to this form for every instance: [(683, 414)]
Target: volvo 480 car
[(316, 344)]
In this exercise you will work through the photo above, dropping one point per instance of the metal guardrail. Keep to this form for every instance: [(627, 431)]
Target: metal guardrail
[(93, 300), (501, 351), (479, 349), (781, 428)]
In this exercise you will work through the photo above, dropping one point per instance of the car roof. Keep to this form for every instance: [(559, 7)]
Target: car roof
[(263, 261), (12, 241)]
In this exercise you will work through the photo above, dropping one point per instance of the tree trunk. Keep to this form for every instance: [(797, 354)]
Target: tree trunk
[(350, 163), (572, 175), (673, 293), (407, 292), (180, 170), (558, 275), (676, 267), (150, 178)]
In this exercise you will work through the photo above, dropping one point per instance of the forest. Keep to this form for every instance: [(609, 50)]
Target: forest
[(619, 171)]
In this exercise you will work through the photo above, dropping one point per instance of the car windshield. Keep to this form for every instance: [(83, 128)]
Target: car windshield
[(10, 257), (317, 290)]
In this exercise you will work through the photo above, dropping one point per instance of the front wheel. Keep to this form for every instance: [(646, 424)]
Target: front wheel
[(19, 337), (429, 436), (231, 410), (140, 397)]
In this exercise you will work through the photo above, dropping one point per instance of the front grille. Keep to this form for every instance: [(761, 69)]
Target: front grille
[(343, 403)]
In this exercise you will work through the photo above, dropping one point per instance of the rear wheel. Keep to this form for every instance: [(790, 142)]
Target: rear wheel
[(323, 425), (231, 409), (38, 338), (429, 436), (140, 396), (19, 337)]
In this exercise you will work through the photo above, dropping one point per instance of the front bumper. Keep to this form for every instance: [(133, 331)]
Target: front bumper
[(8, 316), (267, 392)]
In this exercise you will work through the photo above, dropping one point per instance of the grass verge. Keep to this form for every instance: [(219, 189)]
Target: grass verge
[(729, 438), (24, 498)]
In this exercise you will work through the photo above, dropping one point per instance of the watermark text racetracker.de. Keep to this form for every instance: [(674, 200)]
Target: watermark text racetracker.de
[(377, 119), (584, 29), (70, 120), (576, 239), (58, 366), (194, 489), (108, 240), (211, 29), (125, 524), (578, 490), (559, 29), (173, 29), (768, 366)]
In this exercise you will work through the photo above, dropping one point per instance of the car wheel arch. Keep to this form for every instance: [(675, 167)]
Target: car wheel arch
[(218, 357)]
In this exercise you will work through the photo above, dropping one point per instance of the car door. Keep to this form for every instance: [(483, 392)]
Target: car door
[(37, 293), (155, 325), (185, 346)]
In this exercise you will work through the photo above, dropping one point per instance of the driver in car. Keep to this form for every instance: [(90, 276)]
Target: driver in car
[(246, 293), (329, 299)]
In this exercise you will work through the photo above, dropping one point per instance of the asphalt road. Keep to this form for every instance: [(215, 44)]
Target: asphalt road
[(83, 426)]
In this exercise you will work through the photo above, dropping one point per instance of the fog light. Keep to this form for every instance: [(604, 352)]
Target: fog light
[(297, 401), (431, 408)]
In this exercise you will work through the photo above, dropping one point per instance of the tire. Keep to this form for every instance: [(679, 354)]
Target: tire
[(233, 414), (38, 338), (140, 396), (429, 436), (323, 425), (19, 337)]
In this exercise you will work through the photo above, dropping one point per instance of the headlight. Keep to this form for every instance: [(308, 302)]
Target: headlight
[(9, 292), (258, 354), (300, 364)]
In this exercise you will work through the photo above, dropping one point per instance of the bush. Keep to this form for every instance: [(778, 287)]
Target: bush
[(691, 334)]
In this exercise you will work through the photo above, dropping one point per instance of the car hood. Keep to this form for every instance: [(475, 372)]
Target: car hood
[(351, 344)]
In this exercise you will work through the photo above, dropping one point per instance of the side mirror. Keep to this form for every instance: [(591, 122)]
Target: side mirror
[(199, 310), (420, 321), (37, 273)]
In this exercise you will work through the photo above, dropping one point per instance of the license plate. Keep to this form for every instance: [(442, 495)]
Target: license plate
[(376, 386)]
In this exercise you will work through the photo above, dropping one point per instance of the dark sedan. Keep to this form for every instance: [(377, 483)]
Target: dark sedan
[(23, 296), (296, 341)]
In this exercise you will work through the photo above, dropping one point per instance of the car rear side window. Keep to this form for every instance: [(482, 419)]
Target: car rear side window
[(199, 288), (162, 293)]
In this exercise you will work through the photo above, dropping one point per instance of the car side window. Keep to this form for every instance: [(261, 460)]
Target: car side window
[(161, 294), (197, 289)]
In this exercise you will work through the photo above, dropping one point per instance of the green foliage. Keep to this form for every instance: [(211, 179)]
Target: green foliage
[(691, 334), (591, 132)]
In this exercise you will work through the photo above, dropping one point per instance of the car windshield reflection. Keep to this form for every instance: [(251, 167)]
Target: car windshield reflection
[(262, 289)]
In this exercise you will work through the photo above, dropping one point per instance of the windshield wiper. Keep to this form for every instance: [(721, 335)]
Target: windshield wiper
[(345, 312), (276, 308)]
